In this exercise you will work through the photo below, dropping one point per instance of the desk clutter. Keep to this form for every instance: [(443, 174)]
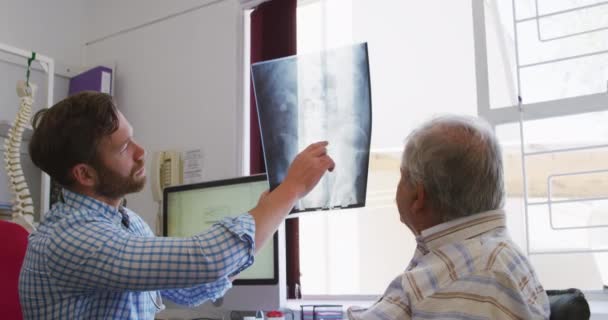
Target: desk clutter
[(321, 312), (307, 312), (283, 314)]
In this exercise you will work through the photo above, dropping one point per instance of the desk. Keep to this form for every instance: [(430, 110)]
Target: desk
[(598, 302)]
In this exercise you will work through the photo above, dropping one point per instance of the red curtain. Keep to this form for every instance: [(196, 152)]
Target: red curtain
[(273, 35)]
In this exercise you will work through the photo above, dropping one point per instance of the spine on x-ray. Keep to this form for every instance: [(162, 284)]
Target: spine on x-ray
[(23, 207)]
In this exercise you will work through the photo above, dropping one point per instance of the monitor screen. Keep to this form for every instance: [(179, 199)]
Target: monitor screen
[(191, 209)]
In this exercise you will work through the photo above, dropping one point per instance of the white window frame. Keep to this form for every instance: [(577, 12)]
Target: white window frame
[(534, 111)]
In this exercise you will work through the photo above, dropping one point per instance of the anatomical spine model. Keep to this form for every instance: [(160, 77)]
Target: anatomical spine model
[(23, 208)]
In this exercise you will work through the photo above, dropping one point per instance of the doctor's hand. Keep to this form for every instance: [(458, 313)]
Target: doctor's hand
[(302, 176), (307, 169)]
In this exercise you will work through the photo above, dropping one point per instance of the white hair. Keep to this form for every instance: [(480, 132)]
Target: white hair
[(458, 161)]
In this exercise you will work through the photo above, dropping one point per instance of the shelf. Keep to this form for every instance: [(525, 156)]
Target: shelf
[(5, 126)]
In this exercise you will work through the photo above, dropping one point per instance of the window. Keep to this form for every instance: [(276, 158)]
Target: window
[(357, 251), (418, 69), (556, 62), (434, 57), (558, 57)]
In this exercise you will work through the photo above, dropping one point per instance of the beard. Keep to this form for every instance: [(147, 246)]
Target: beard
[(114, 186)]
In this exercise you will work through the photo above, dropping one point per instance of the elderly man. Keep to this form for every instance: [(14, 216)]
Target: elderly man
[(465, 266)]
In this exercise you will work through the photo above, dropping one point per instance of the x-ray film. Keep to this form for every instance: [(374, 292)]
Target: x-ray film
[(308, 98)]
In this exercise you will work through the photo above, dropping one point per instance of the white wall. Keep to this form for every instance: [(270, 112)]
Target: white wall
[(53, 28), (110, 16), (175, 79)]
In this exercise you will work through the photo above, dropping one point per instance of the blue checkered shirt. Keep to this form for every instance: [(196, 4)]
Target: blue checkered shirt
[(83, 263)]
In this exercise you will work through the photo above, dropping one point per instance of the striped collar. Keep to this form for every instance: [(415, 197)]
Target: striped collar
[(80, 201), (461, 229)]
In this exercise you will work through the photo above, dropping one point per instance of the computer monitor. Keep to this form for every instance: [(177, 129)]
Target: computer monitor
[(192, 209)]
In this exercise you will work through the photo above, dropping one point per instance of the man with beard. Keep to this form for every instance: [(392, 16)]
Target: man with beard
[(92, 258)]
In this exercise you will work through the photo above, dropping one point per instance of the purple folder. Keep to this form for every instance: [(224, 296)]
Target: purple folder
[(97, 79)]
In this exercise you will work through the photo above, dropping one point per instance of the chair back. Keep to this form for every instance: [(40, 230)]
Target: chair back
[(13, 244), (569, 304)]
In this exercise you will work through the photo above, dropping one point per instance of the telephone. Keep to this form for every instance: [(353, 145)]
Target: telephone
[(167, 172)]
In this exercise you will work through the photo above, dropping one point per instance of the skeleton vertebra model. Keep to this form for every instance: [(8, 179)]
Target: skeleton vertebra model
[(23, 208)]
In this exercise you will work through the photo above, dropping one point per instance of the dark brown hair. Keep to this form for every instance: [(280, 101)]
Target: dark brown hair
[(69, 133)]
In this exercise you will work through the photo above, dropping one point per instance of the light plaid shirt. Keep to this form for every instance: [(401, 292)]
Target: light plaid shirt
[(463, 269), (83, 263)]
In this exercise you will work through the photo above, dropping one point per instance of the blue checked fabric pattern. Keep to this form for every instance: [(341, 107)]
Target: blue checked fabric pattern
[(83, 263), (467, 268)]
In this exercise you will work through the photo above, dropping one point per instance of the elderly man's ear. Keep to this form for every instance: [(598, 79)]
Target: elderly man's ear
[(418, 201), (420, 218)]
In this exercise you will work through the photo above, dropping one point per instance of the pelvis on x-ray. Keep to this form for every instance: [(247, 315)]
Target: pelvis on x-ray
[(309, 98)]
